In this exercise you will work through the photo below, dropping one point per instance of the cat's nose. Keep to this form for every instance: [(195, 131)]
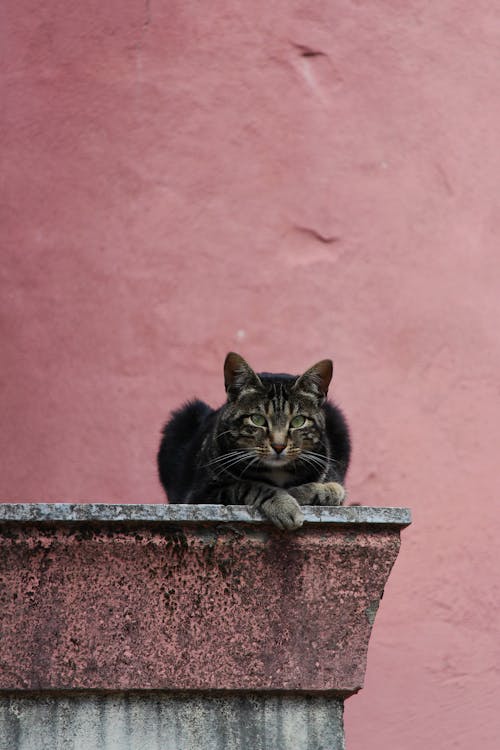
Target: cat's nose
[(278, 447)]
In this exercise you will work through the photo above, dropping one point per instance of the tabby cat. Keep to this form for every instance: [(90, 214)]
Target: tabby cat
[(276, 444)]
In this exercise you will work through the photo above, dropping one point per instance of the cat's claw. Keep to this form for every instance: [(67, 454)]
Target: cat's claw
[(284, 511), (336, 492), (316, 493)]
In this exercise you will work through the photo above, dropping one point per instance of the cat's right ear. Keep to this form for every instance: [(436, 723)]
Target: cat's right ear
[(239, 376)]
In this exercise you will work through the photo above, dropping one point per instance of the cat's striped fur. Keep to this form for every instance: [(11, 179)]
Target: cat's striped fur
[(275, 444)]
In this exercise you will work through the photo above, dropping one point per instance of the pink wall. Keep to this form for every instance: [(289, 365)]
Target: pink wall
[(180, 180)]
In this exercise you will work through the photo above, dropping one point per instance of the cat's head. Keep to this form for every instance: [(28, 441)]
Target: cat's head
[(278, 419)]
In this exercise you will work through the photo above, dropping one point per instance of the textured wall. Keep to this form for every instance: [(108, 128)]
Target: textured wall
[(292, 180)]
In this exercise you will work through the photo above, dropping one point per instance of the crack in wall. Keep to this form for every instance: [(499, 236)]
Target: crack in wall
[(140, 40), (326, 239)]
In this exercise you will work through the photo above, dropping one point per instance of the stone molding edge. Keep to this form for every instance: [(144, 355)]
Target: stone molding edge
[(194, 514)]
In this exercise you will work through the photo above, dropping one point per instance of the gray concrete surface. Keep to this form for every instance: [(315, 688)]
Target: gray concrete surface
[(160, 721), (68, 512)]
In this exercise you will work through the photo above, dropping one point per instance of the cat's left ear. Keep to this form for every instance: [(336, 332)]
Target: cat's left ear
[(239, 376), (316, 378)]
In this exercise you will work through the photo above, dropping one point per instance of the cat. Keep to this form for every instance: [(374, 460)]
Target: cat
[(276, 444)]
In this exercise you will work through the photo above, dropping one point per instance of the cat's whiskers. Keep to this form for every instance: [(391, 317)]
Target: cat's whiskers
[(226, 432), (313, 461), (236, 460), (225, 456), (229, 460), (261, 451), (320, 457), (254, 460)]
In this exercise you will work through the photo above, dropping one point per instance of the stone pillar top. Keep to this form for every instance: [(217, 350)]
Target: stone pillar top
[(190, 597)]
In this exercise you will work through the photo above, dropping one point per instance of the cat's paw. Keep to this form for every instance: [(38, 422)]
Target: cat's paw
[(333, 494), (315, 493), (284, 511)]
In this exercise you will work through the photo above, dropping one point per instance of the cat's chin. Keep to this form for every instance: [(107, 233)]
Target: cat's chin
[(276, 462)]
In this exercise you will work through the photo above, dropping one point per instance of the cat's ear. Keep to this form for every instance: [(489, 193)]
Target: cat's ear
[(238, 375), (316, 378)]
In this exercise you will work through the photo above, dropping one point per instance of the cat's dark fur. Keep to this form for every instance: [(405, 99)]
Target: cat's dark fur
[(222, 456)]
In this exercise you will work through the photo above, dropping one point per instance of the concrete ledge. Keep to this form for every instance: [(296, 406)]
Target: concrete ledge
[(155, 513), (189, 598)]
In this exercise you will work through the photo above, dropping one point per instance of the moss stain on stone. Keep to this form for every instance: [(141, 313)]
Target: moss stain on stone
[(371, 610)]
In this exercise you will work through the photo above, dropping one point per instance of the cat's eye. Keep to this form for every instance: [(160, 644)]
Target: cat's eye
[(298, 421), (258, 420)]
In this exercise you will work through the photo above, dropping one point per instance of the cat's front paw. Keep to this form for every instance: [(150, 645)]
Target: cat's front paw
[(315, 493), (333, 494), (284, 511)]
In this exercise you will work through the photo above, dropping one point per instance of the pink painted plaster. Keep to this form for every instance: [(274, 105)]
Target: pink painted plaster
[(180, 179), (189, 609)]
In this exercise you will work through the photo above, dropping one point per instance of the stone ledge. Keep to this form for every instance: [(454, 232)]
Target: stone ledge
[(185, 514), (190, 598)]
